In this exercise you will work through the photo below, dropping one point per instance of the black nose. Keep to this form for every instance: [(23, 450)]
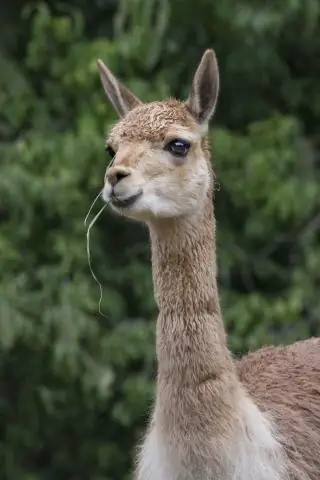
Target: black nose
[(116, 174)]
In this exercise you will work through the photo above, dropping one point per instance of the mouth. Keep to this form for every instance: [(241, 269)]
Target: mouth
[(125, 202)]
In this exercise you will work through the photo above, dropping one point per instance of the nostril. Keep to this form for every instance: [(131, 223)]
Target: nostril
[(114, 176), (121, 175)]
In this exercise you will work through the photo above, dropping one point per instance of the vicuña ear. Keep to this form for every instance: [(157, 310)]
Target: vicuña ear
[(121, 98), (205, 88)]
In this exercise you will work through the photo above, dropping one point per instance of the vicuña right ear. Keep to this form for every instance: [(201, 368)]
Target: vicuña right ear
[(121, 98), (205, 88)]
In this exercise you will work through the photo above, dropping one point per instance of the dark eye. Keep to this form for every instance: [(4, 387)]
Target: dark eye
[(177, 147), (110, 151)]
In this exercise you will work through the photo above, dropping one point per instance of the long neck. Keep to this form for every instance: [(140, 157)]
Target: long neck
[(202, 410), (191, 340)]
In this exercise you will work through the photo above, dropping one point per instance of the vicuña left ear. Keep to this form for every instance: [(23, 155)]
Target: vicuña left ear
[(120, 96), (205, 88)]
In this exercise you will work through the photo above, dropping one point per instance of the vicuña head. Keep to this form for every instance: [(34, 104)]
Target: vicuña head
[(160, 165)]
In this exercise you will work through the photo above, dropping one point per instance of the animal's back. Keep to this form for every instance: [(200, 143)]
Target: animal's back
[(285, 382)]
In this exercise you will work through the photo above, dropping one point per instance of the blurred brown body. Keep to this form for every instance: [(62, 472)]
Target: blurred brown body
[(214, 418), (285, 382)]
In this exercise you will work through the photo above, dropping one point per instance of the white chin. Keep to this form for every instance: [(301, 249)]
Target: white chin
[(153, 207), (106, 193)]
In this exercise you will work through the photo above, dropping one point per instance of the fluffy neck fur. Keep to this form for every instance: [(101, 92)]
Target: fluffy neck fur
[(191, 340), (202, 413)]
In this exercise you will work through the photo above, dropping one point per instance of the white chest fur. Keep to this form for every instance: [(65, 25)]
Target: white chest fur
[(251, 453)]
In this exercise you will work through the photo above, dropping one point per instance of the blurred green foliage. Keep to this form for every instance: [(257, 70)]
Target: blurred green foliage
[(75, 386)]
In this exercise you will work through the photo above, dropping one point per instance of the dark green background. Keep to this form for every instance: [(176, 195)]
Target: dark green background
[(75, 387)]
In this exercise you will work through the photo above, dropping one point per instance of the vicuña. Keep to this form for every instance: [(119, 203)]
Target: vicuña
[(214, 418)]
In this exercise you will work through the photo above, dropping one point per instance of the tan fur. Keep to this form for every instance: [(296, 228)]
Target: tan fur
[(214, 418), (289, 390)]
